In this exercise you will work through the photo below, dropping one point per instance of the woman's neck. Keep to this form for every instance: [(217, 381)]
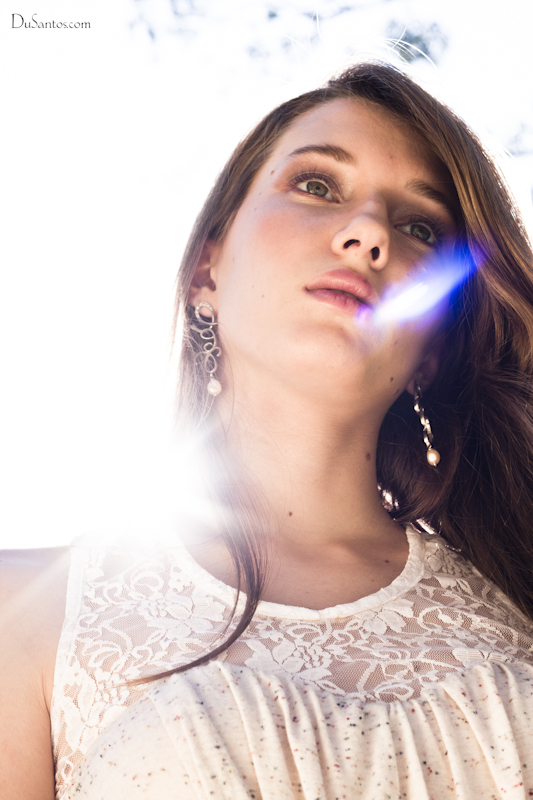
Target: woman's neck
[(313, 467), (311, 476)]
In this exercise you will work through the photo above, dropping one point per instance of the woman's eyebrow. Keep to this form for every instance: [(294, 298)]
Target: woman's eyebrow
[(424, 189), (421, 188), (338, 153)]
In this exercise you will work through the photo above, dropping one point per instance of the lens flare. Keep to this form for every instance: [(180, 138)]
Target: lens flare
[(422, 293)]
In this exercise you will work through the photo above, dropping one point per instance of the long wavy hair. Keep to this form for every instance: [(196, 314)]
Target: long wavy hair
[(481, 496)]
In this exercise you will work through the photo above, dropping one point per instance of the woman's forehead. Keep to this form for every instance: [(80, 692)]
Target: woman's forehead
[(347, 125)]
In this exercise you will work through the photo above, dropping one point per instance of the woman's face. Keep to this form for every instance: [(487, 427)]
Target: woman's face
[(348, 204)]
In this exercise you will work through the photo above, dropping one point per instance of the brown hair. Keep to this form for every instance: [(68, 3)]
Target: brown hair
[(481, 496)]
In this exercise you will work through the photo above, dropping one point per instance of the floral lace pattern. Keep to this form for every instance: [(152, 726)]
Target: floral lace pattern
[(135, 613)]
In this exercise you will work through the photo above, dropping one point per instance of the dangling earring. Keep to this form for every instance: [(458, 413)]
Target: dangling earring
[(211, 349), (432, 455)]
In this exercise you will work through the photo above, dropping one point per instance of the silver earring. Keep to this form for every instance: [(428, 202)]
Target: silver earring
[(211, 351), (432, 455)]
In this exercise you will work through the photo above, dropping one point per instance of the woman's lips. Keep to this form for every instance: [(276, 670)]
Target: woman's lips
[(344, 289), (346, 302)]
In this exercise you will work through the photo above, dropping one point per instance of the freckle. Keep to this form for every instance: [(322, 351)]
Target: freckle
[(262, 295), (367, 456), (392, 378), (290, 513)]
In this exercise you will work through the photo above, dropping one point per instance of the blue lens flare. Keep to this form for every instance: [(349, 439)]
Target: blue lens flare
[(424, 291)]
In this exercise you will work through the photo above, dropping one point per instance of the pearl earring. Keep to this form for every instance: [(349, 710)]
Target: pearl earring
[(211, 351), (432, 455)]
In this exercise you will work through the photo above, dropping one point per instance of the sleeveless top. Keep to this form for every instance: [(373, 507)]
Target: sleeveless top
[(421, 690)]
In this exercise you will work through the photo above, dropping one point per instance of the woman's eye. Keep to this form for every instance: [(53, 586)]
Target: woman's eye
[(318, 188), (420, 231)]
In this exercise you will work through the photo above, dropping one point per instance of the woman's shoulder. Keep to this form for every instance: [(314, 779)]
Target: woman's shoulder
[(33, 586), (28, 576), (18, 565), (32, 603)]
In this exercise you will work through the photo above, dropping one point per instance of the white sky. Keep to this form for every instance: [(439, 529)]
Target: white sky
[(110, 142)]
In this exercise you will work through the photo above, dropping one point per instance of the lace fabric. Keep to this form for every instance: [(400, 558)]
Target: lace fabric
[(132, 613)]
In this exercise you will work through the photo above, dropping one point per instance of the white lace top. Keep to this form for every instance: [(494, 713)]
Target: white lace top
[(423, 690)]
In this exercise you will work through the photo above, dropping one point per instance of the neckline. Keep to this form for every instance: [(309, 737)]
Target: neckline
[(408, 577)]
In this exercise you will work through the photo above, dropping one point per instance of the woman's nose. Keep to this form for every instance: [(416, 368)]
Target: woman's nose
[(365, 239)]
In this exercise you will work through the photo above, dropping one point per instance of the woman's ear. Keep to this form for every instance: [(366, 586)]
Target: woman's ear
[(203, 285), (427, 370)]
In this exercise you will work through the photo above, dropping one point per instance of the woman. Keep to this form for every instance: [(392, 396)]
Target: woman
[(358, 269)]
